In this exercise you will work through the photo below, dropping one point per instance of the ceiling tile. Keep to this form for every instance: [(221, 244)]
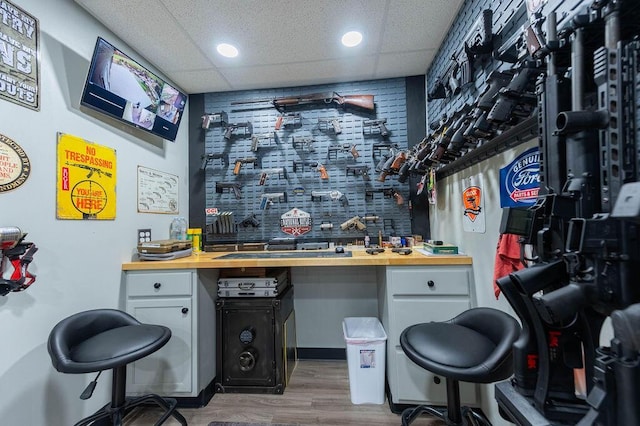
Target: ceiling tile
[(202, 81), (137, 23), (304, 73), (418, 24), (403, 63), (279, 31), (282, 42)]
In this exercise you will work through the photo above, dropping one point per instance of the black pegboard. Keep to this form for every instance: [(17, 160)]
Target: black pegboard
[(280, 151), (507, 23), (508, 18)]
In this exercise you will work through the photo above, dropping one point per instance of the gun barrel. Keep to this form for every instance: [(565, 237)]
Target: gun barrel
[(574, 121)]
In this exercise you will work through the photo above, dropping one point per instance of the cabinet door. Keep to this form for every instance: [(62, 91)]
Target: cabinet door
[(169, 370), (417, 385), (410, 310)]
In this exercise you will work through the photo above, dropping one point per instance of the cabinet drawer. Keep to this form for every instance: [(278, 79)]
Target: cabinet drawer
[(159, 284), (429, 281)]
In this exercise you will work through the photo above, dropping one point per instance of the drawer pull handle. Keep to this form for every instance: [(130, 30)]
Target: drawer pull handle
[(157, 285), (185, 310), (430, 283)]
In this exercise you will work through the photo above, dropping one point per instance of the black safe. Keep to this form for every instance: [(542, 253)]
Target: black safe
[(256, 344)]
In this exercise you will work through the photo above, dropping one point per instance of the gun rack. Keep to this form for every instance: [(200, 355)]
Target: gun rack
[(516, 135)]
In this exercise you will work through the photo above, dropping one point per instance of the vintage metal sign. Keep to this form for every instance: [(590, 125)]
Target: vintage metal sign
[(473, 203), (19, 56), (295, 222), (520, 180), (86, 179), (471, 198), (14, 165)]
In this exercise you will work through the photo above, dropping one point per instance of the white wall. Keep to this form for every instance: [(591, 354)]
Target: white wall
[(446, 224), (79, 262)]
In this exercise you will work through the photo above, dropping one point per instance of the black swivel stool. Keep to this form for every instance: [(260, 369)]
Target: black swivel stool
[(104, 339), (473, 347)]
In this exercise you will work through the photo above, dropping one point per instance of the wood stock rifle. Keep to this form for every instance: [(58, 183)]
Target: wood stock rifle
[(281, 104)]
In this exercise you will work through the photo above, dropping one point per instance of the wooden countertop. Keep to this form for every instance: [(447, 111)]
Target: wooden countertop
[(359, 258)]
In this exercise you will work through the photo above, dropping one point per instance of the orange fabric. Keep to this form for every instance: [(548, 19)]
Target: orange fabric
[(507, 259)]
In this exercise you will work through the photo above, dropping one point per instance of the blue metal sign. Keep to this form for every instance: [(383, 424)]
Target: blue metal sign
[(520, 180)]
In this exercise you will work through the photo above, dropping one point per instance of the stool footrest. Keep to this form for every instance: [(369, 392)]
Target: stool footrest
[(469, 416), (117, 414)]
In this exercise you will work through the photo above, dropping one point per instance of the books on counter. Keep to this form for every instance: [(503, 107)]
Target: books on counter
[(440, 248)]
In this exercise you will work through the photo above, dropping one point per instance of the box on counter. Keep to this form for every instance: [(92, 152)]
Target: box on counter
[(441, 248), (163, 246)]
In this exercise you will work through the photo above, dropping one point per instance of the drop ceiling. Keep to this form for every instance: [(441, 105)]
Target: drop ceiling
[(282, 42)]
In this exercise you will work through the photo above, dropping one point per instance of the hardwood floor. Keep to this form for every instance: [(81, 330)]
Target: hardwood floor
[(318, 394)]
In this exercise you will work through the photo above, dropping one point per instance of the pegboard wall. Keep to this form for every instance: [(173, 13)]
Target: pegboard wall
[(507, 19), (300, 143)]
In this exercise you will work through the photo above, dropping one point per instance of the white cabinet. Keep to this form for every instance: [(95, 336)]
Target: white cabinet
[(182, 300), (410, 295)]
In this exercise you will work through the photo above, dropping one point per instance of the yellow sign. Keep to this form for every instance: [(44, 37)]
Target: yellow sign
[(86, 179)]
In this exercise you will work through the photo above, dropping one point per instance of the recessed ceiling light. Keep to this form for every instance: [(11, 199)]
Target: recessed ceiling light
[(352, 38), (227, 50)]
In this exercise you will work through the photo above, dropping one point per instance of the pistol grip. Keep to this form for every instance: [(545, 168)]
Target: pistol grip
[(279, 121), (323, 173), (237, 167)]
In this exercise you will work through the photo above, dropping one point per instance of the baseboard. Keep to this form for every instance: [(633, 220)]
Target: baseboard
[(322, 353), (199, 401)]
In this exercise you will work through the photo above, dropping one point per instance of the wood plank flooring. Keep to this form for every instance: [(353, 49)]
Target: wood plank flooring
[(318, 394)]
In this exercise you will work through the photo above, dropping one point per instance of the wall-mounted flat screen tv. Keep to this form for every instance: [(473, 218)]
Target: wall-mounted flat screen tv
[(122, 88)]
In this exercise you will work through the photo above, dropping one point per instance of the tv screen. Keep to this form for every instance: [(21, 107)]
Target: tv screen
[(122, 88)]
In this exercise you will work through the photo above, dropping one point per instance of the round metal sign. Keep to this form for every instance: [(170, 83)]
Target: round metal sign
[(14, 164)]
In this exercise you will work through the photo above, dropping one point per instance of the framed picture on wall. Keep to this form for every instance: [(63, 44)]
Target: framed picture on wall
[(157, 191)]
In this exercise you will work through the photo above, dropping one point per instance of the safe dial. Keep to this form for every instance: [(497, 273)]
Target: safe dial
[(247, 359)]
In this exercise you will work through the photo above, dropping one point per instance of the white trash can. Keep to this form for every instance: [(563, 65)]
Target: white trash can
[(366, 359)]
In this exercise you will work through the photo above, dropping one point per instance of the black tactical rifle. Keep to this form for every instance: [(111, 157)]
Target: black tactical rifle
[(459, 72)]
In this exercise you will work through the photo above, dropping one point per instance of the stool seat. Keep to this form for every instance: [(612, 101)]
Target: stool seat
[(115, 347), (475, 346), (108, 339)]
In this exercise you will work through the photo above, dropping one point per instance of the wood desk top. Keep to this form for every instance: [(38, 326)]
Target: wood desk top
[(211, 260)]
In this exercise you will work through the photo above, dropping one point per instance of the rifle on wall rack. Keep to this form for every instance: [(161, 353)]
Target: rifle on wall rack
[(328, 98)]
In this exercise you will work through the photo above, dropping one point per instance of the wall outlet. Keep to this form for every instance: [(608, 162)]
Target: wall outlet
[(144, 235)]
